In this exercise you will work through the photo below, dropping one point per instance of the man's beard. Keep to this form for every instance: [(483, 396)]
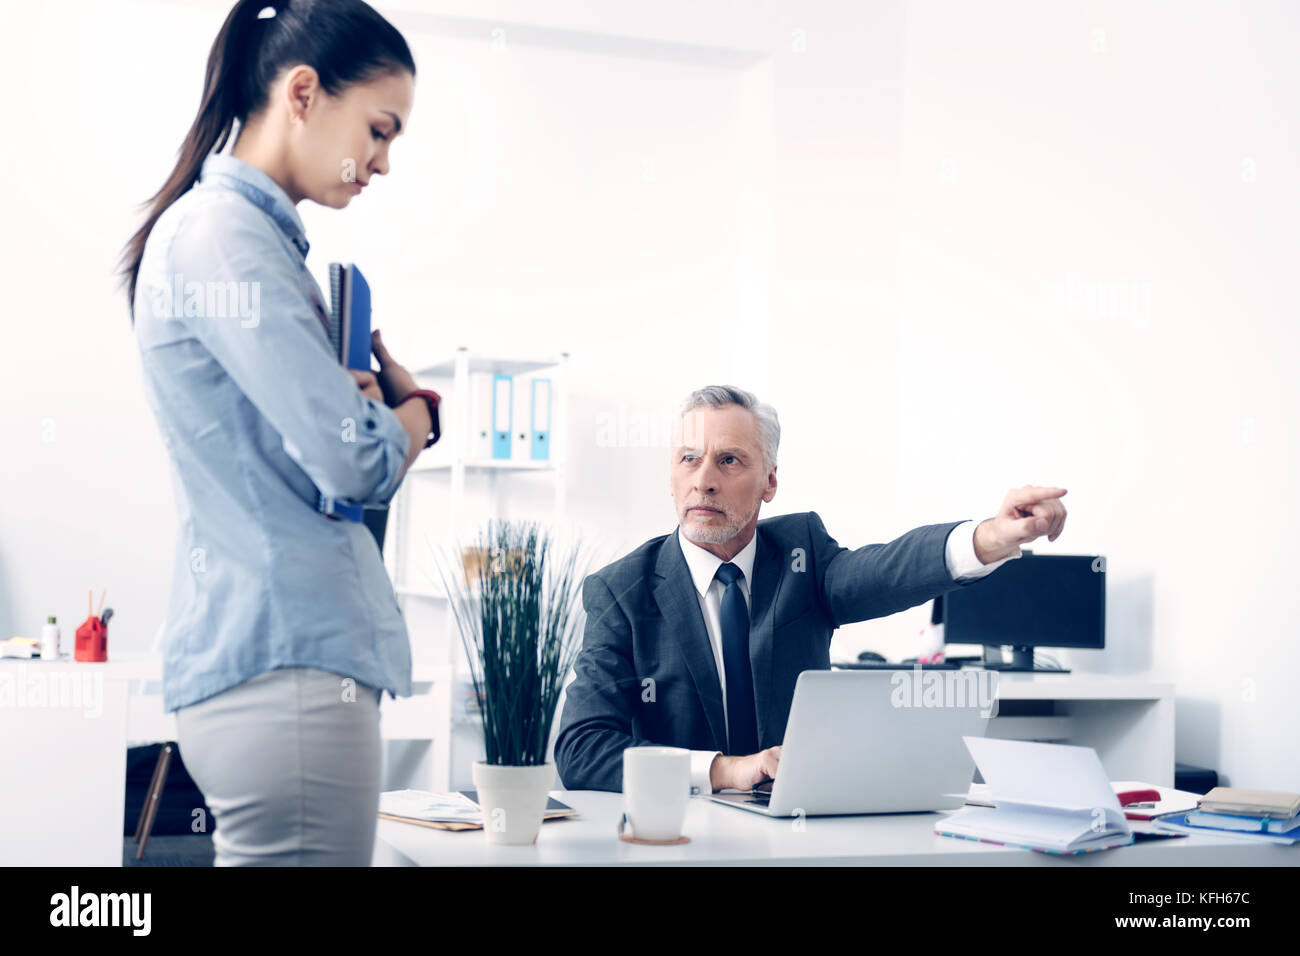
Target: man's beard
[(703, 534)]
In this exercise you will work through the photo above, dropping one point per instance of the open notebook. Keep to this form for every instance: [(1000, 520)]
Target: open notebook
[(1052, 798)]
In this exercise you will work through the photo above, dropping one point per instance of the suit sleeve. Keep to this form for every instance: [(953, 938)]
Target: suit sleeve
[(596, 725), (881, 579)]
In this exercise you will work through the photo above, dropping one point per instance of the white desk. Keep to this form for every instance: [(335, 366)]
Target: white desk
[(724, 836), (64, 729)]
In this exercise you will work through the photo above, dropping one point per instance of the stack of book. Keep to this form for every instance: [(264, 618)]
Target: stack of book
[(27, 647), (1262, 815)]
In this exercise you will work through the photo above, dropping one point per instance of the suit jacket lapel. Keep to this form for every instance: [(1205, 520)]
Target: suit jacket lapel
[(674, 593), (762, 612)]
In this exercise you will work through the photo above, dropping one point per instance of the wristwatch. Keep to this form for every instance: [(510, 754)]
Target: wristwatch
[(432, 399)]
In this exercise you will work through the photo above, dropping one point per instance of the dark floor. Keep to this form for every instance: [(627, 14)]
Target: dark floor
[(190, 849), (173, 841)]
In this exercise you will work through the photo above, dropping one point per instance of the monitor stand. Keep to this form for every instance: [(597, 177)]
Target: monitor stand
[(1022, 661)]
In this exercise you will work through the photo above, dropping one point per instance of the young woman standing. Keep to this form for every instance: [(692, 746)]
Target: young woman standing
[(283, 629)]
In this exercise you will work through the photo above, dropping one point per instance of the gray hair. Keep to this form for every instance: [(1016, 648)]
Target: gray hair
[(720, 396)]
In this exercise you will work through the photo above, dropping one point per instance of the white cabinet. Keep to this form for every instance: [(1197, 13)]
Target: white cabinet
[(445, 500), (1129, 721)]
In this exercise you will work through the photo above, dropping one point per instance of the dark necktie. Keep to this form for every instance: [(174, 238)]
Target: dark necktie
[(742, 719)]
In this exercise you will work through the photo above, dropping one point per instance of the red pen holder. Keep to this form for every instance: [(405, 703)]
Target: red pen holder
[(92, 641)]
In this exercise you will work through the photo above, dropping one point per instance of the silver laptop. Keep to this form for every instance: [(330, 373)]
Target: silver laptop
[(864, 742)]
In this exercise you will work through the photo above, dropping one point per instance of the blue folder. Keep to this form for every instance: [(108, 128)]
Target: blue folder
[(350, 339)]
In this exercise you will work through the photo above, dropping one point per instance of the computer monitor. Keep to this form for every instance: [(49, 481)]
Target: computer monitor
[(1048, 600)]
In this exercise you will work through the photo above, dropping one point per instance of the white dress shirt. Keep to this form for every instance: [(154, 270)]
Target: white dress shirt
[(959, 555)]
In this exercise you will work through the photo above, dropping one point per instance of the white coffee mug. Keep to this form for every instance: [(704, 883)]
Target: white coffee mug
[(656, 790)]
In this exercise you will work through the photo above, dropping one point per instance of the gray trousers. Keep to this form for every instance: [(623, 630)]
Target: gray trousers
[(289, 763)]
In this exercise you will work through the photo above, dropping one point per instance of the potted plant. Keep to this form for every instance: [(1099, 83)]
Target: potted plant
[(517, 613)]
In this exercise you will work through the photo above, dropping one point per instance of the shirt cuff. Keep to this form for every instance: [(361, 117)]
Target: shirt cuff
[(959, 554), (397, 445), (701, 762)]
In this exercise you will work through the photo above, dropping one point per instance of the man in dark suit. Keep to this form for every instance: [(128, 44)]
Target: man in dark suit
[(696, 638)]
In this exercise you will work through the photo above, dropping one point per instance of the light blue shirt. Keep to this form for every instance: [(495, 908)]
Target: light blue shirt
[(260, 419)]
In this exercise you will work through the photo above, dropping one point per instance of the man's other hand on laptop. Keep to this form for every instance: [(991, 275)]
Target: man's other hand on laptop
[(744, 773)]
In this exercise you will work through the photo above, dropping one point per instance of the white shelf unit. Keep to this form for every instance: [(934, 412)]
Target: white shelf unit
[(1129, 721), (445, 471)]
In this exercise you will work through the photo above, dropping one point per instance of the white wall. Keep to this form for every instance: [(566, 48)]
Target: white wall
[(959, 249), (1099, 244), (92, 122)]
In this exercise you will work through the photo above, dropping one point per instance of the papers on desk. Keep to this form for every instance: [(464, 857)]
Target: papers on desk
[(440, 811), (448, 811), (1175, 814), (1052, 798), (1171, 801), (23, 647)]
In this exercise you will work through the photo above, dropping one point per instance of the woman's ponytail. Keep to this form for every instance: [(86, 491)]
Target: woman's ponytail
[(345, 41), (217, 112)]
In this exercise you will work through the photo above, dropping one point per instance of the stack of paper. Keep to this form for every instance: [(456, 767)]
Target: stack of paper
[(449, 811), (27, 647), (445, 811)]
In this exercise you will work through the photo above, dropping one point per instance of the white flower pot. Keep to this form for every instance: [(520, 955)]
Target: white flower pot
[(513, 800)]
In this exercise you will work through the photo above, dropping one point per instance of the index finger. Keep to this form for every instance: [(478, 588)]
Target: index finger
[(1032, 493)]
